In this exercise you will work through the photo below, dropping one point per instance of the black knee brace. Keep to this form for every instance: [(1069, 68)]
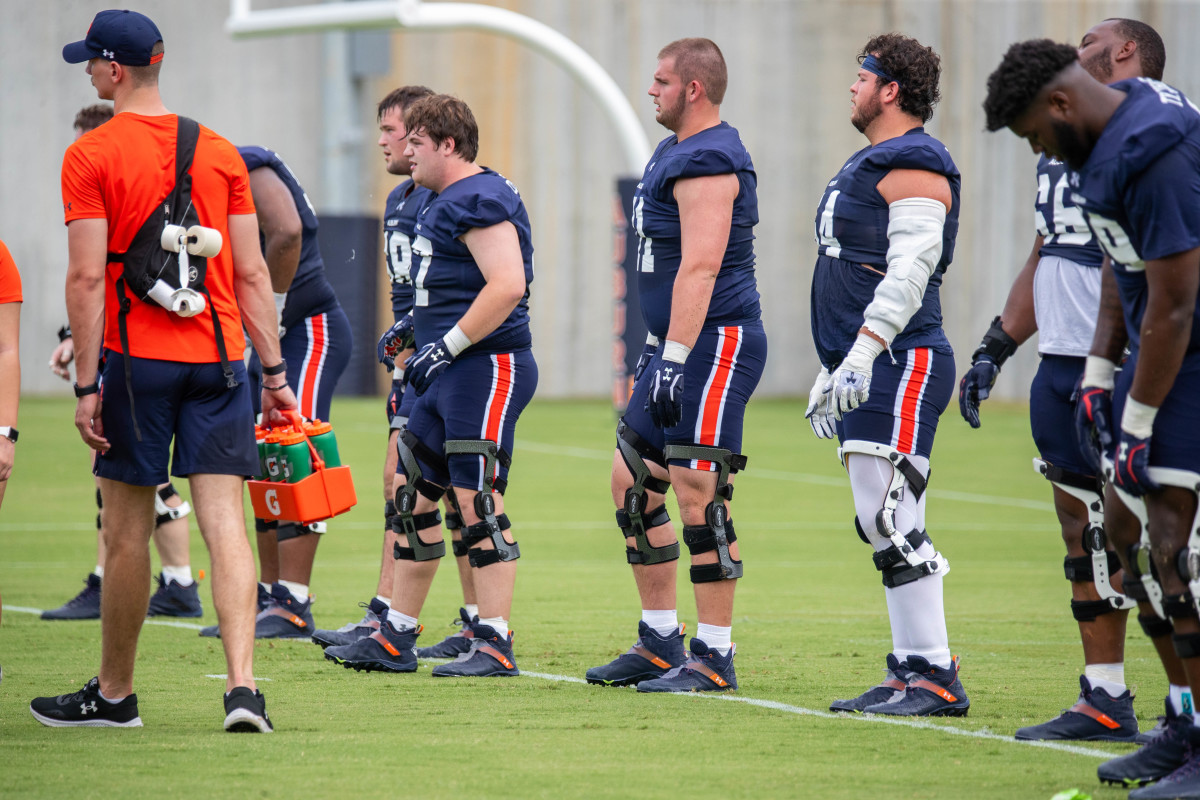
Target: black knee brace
[(894, 566), (1187, 645), (717, 524), (703, 539), (405, 522), (1134, 589), (460, 547), (1154, 626), (1089, 610), (632, 518), (99, 505), (1179, 606), (474, 534), (485, 504), (417, 549), (1079, 569), (293, 530), (389, 511)]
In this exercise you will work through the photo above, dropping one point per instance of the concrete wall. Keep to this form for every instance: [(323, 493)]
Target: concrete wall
[(791, 63)]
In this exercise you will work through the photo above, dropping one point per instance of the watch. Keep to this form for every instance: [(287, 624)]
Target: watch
[(84, 391), (278, 369), (9, 432)]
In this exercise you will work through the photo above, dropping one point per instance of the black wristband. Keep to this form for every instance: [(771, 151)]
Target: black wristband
[(84, 391), (64, 333), (278, 369), (275, 388), (996, 345)]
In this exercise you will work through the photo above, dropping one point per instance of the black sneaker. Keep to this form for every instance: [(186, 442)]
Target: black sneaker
[(455, 644), (86, 708), (651, 656), (352, 632), (1155, 759), (246, 711), (892, 687), (173, 599), (490, 655), (1184, 782), (85, 605), (263, 600), (385, 650), (930, 691), (1096, 717), (705, 670)]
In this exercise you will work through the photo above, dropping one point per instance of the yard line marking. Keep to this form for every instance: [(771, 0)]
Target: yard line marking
[(150, 621), (801, 477)]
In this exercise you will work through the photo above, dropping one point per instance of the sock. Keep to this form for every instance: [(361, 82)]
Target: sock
[(716, 637), (99, 572), (401, 621), (107, 700), (918, 605), (1181, 699), (387, 601), (181, 575), (299, 590), (498, 624), (472, 610), (266, 587), (666, 623), (1109, 677)]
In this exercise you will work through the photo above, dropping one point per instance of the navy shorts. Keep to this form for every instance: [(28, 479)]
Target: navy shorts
[(905, 401), (212, 425), (720, 374), (1052, 412), (479, 396), (317, 351), (1175, 440)]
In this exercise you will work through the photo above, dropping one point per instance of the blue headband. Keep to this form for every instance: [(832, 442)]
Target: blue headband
[(870, 64)]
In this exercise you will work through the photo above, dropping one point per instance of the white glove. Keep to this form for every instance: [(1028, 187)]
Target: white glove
[(850, 385), (819, 414)]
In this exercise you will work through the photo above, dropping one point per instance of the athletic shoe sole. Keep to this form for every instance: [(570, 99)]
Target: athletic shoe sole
[(617, 682), (243, 720), (370, 666), (136, 722)]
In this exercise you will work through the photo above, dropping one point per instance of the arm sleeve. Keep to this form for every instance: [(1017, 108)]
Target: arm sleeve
[(914, 249)]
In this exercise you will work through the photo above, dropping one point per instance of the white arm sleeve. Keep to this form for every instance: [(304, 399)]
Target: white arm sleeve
[(914, 249)]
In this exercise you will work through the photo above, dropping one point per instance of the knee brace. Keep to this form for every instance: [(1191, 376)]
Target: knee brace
[(1099, 565), (633, 519), (717, 525), (1179, 606), (1154, 626), (99, 506), (294, 530), (404, 521), (485, 504), (389, 511), (896, 567), (905, 477), (1090, 610), (164, 513), (1138, 554), (1187, 645)]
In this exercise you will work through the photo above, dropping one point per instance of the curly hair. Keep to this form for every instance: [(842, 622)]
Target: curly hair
[(1025, 69), (913, 65), (92, 117), (444, 117)]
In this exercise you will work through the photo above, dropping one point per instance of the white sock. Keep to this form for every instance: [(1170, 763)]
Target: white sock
[(401, 621), (472, 610), (716, 637), (387, 601), (299, 590), (99, 572), (266, 587), (498, 624), (923, 616), (1181, 699), (107, 700), (1109, 677), (666, 622), (181, 575)]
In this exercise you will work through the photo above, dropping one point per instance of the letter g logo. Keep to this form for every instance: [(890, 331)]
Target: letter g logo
[(272, 502)]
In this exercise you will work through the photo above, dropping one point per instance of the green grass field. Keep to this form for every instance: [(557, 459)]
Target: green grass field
[(810, 625)]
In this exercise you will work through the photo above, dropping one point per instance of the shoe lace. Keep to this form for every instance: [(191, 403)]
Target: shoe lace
[(83, 597)]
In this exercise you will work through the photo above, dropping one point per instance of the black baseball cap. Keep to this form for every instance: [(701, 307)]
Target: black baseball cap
[(125, 37)]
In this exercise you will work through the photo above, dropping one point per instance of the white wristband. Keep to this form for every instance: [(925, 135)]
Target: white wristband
[(651, 340), (456, 341), (1138, 418), (1099, 372), (674, 351)]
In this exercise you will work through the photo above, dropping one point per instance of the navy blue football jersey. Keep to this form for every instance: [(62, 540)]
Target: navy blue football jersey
[(1140, 189), (1060, 223), (444, 275), (399, 222), (310, 292), (655, 215), (852, 244)]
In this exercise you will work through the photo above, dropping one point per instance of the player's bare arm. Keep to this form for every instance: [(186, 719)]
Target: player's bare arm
[(10, 387), (497, 252), (1109, 340), (705, 216), (87, 243), (1017, 318), (280, 225), (1172, 285)]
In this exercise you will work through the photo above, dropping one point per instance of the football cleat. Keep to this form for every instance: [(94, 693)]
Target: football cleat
[(1154, 760), (173, 599), (929, 691), (1096, 717), (85, 605), (1183, 783), (352, 632), (490, 655), (705, 670), (651, 656), (263, 600), (455, 644), (385, 650), (891, 688), (285, 617)]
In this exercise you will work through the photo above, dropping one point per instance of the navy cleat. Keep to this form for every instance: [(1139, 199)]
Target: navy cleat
[(1096, 717), (85, 605), (1154, 760), (1160, 727), (891, 688), (490, 655), (263, 600), (173, 599), (352, 632), (455, 644), (285, 617), (651, 656), (1182, 783), (86, 708), (705, 670), (385, 650), (246, 711), (930, 691)]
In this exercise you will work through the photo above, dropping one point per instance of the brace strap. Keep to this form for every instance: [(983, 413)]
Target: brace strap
[(1187, 645), (1089, 610), (636, 526), (1179, 606), (1155, 627), (703, 539), (715, 513), (904, 474), (389, 511), (898, 570), (418, 550), (488, 528), (459, 547), (165, 513), (491, 453)]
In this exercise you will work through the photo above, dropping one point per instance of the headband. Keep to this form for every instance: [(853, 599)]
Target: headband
[(871, 64)]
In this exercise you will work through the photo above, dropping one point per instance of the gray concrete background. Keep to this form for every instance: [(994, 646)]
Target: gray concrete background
[(790, 63)]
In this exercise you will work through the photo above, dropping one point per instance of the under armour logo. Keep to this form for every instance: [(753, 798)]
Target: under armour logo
[(86, 707), (109, 55), (440, 352), (667, 372), (1122, 451)]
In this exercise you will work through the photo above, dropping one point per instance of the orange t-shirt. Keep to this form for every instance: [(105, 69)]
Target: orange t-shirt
[(10, 279), (120, 172)]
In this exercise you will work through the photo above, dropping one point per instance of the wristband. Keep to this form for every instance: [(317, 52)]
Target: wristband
[(279, 388), (456, 341), (651, 340), (674, 351), (64, 333), (278, 369), (1099, 372), (84, 391), (1138, 418), (996, 345)]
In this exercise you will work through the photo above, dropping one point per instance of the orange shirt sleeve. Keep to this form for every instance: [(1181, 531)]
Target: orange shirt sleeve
[(10, 279), (82, 194)]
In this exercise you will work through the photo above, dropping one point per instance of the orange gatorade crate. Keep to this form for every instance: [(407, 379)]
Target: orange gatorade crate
[(327, 492)]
